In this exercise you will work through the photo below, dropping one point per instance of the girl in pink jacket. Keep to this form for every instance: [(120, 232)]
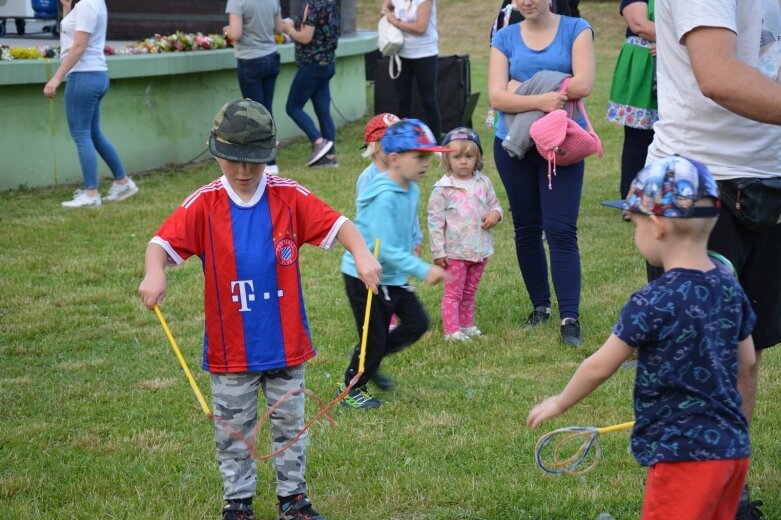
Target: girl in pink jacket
[(461, 212)]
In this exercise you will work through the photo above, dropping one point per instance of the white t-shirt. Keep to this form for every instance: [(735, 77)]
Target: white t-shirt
[(691, 124), (417, 45), (88, 16)]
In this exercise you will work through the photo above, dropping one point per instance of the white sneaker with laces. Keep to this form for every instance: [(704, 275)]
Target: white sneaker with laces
[(457, 336), (118, 192), (82, 200), (472, 331)]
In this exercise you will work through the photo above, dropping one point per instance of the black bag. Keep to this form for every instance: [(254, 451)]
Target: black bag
[(454, 92), (755, 202)]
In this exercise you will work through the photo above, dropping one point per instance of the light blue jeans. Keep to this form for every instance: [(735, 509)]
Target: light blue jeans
[(83, 93)]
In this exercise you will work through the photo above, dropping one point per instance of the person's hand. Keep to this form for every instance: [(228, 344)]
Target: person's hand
[(417, 250), (393, 19), (385, 11), (513, 85), (50, 89), (287, 25), (435, 275), (491, 219), (551, 101), (547, 409), (369, 270), (653, 49), (152, 289), (441, 262)]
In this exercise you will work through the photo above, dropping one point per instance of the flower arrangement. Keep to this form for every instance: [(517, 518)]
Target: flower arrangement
[(177, 42), (28, 53)]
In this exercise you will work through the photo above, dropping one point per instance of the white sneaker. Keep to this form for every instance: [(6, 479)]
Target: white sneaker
[(472, 331), (457, 336), (82, 200), (118, 192), (272, 169)]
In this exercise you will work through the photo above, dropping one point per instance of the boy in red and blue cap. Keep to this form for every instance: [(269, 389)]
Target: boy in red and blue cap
[(387, 209), (691, 329)]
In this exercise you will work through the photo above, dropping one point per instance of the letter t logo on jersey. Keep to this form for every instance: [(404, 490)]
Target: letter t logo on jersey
[(244, 296)]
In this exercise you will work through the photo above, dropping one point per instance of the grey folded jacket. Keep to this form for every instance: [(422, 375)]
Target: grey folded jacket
[(518, 140)]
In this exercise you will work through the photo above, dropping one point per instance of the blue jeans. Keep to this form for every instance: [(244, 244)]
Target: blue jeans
[(312, 82), (535, 209), (83, 93), (257, 78)]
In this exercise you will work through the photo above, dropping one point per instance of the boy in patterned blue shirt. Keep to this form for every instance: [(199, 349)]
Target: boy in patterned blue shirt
[(691, 329)]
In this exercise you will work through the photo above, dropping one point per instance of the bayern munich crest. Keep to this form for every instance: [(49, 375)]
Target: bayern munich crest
[(286, 251)]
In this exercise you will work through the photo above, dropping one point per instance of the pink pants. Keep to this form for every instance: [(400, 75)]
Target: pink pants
[(458, 302)]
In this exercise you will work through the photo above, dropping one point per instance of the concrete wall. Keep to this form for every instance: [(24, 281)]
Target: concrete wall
[(158, 110)]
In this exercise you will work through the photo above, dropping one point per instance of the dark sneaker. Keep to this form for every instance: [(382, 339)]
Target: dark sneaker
[(748, 509), (327, 162), (383, 381), (359, 398), (319, 150), (570, 332), (298, 509), (237, 510), (538, 316)]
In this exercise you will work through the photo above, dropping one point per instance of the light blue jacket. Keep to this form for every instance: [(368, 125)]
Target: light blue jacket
[(388, 212), (365, 178)]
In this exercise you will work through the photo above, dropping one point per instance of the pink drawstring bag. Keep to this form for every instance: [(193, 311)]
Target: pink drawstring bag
[(561, 140)]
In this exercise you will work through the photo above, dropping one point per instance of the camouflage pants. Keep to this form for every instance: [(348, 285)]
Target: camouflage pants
[(235, 401)]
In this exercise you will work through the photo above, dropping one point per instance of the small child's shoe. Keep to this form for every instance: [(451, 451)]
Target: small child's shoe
[(472, 332), (237, 510), (457, 336), (359, 398), (299, 509)]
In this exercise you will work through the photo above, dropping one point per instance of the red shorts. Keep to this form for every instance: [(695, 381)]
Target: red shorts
[(694, 490)]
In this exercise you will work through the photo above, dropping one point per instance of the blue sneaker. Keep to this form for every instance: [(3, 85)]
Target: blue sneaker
[(359, 398)]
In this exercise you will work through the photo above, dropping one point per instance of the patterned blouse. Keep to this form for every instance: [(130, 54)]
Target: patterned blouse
[(323, 15)]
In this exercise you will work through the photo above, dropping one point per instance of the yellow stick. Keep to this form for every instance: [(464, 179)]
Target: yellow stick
[(182, 362), (617, 427), (365, 332)]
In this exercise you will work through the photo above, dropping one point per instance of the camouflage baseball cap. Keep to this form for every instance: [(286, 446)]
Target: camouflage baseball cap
[(244, 131)]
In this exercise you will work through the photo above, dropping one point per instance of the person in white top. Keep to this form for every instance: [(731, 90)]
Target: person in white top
[(82, 40), (716, 106), (417, 19)]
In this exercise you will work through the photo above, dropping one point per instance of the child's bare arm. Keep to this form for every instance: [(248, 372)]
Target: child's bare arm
[(153, 286), (747, 357), (594, 371), (369, 269)]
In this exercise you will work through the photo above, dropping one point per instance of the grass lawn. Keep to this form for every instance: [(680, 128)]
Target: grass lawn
[(97, 419)]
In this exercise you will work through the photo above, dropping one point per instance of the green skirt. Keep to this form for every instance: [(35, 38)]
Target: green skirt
[(632, 101)]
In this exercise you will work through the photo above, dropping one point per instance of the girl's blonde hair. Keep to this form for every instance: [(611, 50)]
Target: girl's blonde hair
[(462, 146)]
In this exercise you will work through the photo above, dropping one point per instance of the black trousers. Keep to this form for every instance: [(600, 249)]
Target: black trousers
[(424, 72), (636, 143), (392, 299)]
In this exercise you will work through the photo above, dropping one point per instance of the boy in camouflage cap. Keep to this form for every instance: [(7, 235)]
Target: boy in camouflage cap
[(247, 228)]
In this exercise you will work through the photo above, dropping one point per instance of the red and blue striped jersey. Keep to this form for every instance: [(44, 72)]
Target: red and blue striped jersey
[(253, 302)]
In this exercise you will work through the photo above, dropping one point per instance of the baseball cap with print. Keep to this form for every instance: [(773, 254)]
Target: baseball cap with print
[(463, 133), (670, 188), (377, 126), (410, 135), (244, 131)]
